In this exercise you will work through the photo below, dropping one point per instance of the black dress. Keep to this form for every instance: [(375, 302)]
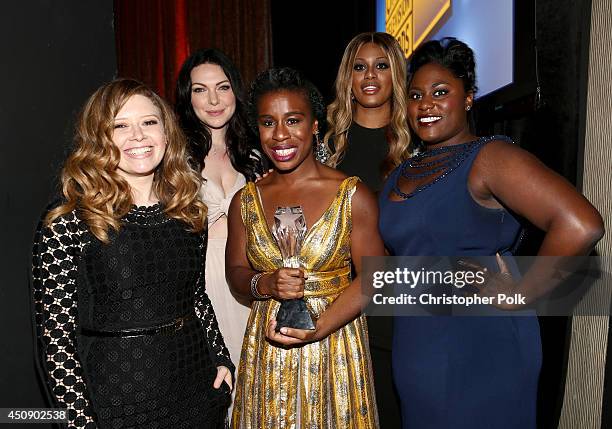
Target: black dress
[(366, 150), (126, 334), (364, 156)]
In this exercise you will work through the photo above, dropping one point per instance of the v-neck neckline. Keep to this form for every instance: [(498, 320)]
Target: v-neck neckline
[(220, 187), (260, 209)]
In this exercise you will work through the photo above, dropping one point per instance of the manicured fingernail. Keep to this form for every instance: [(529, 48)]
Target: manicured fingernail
[(284, 331)]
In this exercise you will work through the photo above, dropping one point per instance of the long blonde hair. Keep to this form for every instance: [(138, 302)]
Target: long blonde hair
[(340, 111), (89, 178)]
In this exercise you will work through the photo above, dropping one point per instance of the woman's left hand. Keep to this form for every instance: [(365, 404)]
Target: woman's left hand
[(495, 284), (223, 374), (291, 336)]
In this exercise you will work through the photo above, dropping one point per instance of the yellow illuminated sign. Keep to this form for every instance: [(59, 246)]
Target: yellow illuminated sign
[(411, 21)]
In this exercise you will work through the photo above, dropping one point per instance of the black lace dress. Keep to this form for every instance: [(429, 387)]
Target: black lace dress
[(126, 334)]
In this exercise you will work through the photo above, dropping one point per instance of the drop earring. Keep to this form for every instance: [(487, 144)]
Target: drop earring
[(322, 152)]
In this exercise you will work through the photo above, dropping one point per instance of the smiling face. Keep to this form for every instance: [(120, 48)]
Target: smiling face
[(139, 134), (212, 97), (438, 105), (372, 83), (286, 128)]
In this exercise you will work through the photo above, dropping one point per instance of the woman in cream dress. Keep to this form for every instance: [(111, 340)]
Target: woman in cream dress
[(210, 106)]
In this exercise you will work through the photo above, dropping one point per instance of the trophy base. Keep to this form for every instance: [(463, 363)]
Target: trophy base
[(293, 313)]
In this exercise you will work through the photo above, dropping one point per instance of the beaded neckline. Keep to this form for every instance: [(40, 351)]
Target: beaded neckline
[(146, 209), (441, 160), (146, 215)]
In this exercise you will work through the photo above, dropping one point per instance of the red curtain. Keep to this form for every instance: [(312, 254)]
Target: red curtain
[(154, 37)]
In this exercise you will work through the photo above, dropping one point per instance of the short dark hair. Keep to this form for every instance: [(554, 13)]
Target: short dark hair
[(279, 79), (451, 54), (240, 145)]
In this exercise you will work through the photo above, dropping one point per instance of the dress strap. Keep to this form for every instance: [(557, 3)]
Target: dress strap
[(350, 185), (247, 199)]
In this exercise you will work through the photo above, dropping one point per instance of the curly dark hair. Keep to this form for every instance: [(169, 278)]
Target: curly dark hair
[(451, 54), (243, 149), (279, 79)]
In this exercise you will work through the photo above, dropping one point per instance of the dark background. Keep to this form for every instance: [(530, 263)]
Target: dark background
[(315, 43), (54, 54)]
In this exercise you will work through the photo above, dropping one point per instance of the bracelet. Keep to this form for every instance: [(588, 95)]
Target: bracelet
[(254, 290)]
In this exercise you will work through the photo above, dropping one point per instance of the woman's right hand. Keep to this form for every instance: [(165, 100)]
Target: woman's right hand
[(284, 283)]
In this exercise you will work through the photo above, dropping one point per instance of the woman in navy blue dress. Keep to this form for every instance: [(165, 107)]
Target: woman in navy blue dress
[(460, 197)]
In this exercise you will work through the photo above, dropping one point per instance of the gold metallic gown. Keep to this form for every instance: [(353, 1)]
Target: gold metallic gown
[(322, 385)]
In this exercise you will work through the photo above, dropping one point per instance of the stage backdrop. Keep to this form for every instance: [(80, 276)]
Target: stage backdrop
[(155, 36)]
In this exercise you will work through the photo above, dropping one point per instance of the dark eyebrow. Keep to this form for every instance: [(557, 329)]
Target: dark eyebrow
[(295, 112), (433, 85), (216, 84), (377, 58)]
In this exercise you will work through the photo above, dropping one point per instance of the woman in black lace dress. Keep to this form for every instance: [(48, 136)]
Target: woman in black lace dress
[(126, 333)]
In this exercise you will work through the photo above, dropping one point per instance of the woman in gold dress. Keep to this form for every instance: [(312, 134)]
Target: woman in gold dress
[(295, 378)]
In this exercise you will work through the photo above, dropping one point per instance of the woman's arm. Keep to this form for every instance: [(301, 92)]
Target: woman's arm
[(520, 182), (214, 339), (54, 273), (365, 241), (284, 283)]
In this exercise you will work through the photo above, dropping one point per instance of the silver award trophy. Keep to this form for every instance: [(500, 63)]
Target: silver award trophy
[(289, 231)]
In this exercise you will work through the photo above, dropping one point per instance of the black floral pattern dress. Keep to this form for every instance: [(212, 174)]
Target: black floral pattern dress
[(126, 334)]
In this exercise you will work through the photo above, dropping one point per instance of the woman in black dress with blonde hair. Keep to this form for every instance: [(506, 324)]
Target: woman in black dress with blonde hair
[(367, 124), (368, 130)]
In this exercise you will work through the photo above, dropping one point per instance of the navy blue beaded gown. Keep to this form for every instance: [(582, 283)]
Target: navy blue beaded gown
[(450, 371), (127, 337)]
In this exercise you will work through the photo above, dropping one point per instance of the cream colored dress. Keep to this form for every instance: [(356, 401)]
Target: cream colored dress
[(231, 315)]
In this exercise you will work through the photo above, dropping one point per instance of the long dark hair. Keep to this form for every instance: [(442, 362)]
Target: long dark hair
[(244, 151)]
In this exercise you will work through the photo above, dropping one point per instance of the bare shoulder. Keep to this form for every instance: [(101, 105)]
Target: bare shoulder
[(500, 156), (364, 198), (502, 151)]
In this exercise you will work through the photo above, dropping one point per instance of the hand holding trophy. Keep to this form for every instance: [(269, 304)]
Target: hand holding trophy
[(289, 232)]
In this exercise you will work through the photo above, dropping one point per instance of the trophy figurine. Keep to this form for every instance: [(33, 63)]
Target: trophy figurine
[(289, 231)]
